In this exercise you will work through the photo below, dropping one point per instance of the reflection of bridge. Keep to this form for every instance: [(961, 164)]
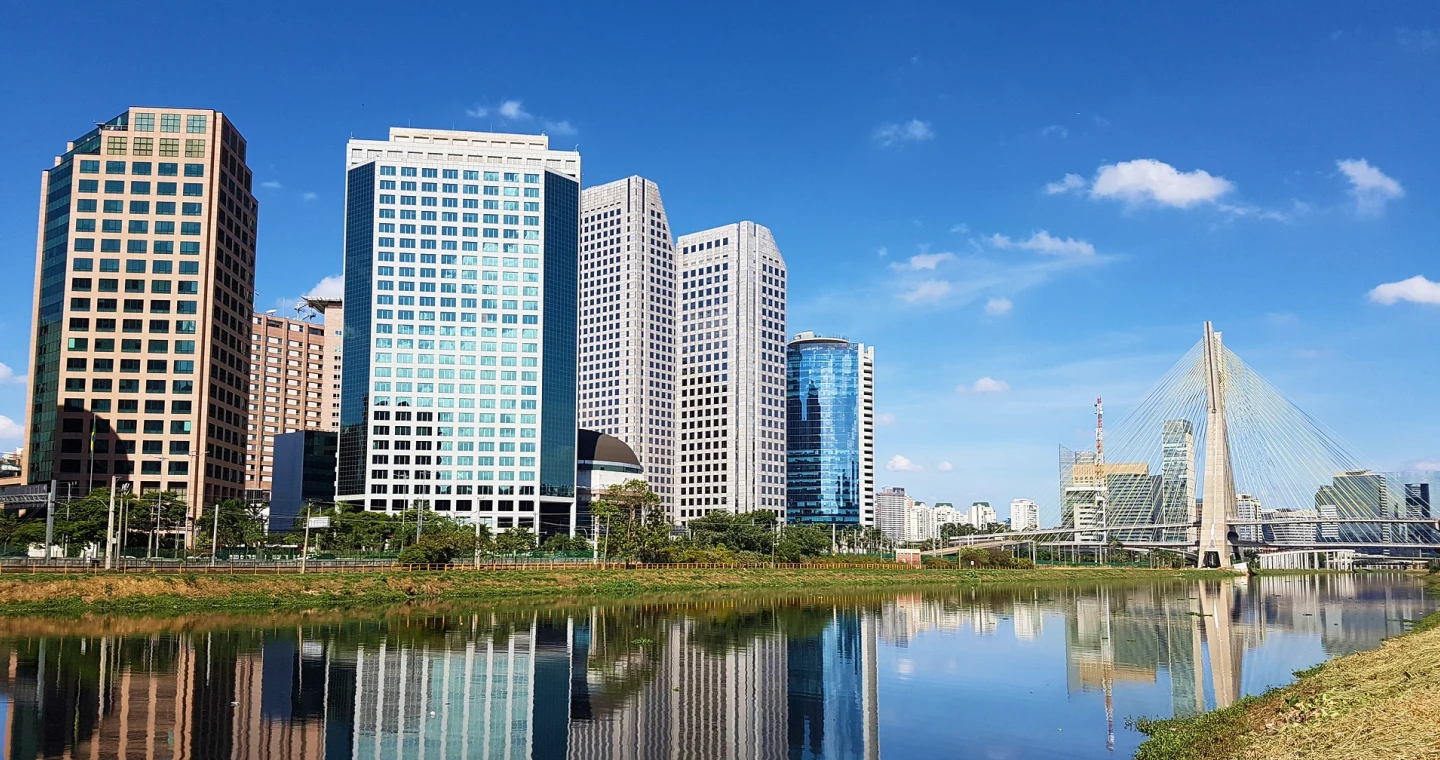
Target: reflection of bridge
[(1269, 475)]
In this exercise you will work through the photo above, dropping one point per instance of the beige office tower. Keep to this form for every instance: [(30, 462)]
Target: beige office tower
[(294, 381), (731, 424), (628, 324), (143, 283)]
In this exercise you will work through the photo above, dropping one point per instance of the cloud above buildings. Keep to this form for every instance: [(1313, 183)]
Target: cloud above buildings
[(513, 112), (1044, 242), (945, 467), (328, 287), (984, 385), (922, 261), (901, 463), (999, 307), (1417, 289), (926, 291), (1370, 188), (890, 134), (10, 430), (8, 375)]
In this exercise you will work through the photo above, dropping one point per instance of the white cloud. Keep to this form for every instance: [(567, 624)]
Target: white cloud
[(883, 252), (271, 184), (563, 127), (985, 385), (11, 430), (308, 196), (1422, 465), (922, 261), (999, 307), (8, 375), (945, 467), (884, 418), (511, 109), (1369, 186), (1044, 242), (960, 229), (330, 287), (1422, 40), (1056, 130), (514, 111), (1417, 289), (1147, 180), (915, 130), (899, 463), (1066, 184), (927, 291)]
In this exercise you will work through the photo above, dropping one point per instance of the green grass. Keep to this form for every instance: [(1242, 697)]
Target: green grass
[(160, 594)]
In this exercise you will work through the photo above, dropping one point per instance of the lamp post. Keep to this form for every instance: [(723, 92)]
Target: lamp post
[(214, 533), (110, 525)]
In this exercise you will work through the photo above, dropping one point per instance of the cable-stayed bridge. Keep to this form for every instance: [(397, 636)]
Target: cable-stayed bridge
[(1215, 460)]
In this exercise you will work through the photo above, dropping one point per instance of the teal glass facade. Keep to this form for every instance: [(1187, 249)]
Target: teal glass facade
[(823, 447), (355, 343)]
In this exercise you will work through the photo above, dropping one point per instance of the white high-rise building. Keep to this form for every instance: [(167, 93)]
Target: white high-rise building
[(731, 424), (629, 320), (982, 514), (1024, 515), (458, 381), (891, 505)]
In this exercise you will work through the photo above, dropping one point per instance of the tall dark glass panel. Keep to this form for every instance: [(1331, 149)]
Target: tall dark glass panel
[(823, 379), (562, 264), (355, 343)]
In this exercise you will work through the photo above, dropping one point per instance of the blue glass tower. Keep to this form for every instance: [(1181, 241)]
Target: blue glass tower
[(830, 432)]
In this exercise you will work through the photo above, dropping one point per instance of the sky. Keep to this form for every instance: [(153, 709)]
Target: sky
[(1022, 207)]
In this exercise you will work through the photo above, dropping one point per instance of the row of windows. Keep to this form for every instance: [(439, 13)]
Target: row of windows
[(133, 266), (162, 208), (489, 176), (178, 387), (430, 229), (145, 146), (139, 187), (430, 200), (141, 168), (127, 346), (134, 306), (169, 122), (157, 326), (164, 247)]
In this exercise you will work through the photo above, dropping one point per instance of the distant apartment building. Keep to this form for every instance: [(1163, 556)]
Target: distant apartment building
[(830, 431), (890, 507), (1024, 515), (732, 372), (144, 276), (629, 322), (295, 367), (461, 264)]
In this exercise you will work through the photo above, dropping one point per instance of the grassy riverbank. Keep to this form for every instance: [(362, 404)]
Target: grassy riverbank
[(1384, 703), (138, 593)]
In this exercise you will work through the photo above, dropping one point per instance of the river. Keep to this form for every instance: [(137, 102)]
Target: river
[(1041, 671)]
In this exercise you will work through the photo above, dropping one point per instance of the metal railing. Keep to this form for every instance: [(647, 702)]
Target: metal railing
[(202, 566)]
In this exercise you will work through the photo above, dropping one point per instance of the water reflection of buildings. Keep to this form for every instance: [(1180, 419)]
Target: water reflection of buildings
[(583, 686)]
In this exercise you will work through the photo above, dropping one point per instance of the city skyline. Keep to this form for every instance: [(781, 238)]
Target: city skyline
[(1076, 199)]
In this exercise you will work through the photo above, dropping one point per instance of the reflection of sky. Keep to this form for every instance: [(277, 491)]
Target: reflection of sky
[(994, 697), (954, 692)]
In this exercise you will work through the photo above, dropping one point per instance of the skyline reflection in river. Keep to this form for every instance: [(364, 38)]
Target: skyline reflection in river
[(1033, 671)]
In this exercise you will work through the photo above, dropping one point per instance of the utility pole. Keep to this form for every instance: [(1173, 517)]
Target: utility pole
[(215, 533), (305, 550), (49, 521), (419, 518), (110, 526), (155, 534)]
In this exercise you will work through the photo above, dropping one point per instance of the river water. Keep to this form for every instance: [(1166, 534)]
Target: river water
[(1049, 671)]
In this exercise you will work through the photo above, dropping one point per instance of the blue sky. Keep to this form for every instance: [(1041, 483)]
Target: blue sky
[(1022, 207)]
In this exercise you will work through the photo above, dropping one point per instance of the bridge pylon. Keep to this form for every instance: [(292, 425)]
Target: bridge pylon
[(1215, 549)]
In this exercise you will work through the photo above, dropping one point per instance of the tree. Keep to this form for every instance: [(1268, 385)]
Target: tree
[(631, 523), (515, 541), (800, 542), (559, 542), (240, 524), (748, 532)]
